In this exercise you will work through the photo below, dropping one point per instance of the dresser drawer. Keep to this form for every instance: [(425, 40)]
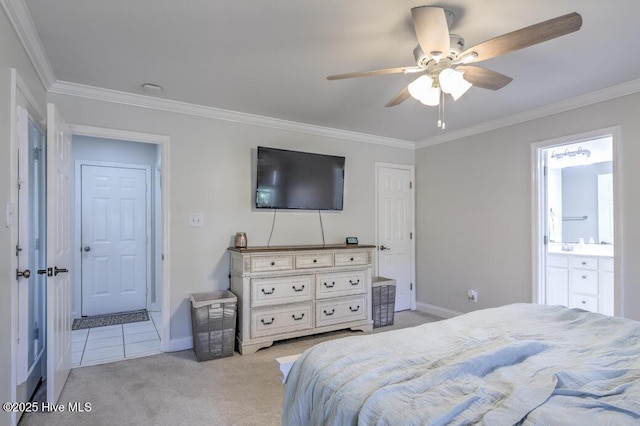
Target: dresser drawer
[(339, 284), (272, 321), (335, 311), (314, 260), (580, 262), (280, 290), (351, 258), (584, 281), (271, 263), (589, 303)]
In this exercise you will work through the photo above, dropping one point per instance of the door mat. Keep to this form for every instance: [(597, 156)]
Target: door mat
[(110, 319)]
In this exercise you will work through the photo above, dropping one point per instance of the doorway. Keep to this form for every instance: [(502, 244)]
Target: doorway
[(575, 240), (31, 254), (395, 224)]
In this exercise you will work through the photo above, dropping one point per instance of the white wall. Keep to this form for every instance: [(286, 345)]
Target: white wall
[(474, 209), (211, 171), (12, 56)]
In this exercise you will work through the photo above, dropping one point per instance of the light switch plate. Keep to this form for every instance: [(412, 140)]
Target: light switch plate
[(196, 219)]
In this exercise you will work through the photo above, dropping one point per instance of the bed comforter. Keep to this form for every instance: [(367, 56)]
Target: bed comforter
[(518, 364)]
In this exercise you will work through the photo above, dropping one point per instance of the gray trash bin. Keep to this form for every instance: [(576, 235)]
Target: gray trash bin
[(213, 322), (383, 297)]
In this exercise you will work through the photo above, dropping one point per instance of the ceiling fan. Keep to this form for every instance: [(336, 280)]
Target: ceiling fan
[(443, 62)]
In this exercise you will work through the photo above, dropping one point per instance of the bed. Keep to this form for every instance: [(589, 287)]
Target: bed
[(517, 364)]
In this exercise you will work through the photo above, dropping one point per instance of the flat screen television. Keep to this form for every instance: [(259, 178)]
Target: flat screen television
[(298, 180)]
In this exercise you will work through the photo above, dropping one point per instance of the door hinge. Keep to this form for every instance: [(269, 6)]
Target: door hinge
[(411, 286), (18, 250), (411, 235), (410, 185), (19, 184), (545, 240), (37, 244), (36, 154), (545, 170)]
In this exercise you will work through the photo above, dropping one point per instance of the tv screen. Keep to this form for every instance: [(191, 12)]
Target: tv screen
[(298, 180)]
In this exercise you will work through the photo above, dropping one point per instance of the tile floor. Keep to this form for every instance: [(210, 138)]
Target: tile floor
[(100, 345)]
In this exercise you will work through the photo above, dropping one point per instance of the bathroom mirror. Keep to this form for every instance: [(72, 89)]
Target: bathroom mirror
[(580, 192)]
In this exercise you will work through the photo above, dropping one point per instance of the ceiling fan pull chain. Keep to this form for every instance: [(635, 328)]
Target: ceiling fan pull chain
[(441, 123)]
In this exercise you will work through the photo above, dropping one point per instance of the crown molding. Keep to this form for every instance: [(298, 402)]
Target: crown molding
[(22, 23), (602, 95), (108, 95)]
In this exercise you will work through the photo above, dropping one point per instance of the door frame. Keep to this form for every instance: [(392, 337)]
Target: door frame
[(18, 89), (77, 226), (162, 214), (538, 220), (411, 169)]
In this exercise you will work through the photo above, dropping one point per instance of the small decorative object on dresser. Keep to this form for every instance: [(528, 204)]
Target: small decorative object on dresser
[(241, 240), (352, 240), (286, 292)]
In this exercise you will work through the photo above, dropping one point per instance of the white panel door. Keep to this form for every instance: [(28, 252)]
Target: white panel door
[(395, 231), (58, 253), (114, 239)]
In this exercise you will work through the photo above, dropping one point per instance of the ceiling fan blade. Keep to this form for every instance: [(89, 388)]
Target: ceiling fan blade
[(399, 98), (432, 31), (525, 37), (484, 78), (375, 72)]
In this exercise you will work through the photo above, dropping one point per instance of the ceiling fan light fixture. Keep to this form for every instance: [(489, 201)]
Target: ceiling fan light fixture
[(431, 97), (420, 86), (453, 83)]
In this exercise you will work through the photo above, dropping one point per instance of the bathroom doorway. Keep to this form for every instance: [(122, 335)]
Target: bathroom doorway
[(575, 242)]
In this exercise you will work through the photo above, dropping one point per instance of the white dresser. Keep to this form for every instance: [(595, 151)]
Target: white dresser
[(286, 292), (580, 281)]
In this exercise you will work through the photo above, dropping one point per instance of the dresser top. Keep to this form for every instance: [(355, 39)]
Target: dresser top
[(265, 249)]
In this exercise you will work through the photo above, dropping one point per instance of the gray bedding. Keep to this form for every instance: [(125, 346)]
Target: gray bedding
[(517, 364)]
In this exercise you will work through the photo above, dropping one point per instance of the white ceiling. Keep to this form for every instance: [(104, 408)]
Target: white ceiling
[(271, 58)]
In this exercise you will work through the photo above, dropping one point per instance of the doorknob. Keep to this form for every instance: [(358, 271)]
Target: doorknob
[(24, 274), (382, 248), (87, 248), (57, 270)]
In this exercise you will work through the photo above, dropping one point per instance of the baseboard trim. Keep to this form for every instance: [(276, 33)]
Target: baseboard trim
[(437, 310)]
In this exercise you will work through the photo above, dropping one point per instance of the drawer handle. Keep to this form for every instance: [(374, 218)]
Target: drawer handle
[(352, 259), (584, 263), (267, 323), (268, 292), (355, 283), (354, 310), (298, 289), (330, 286), (297, 318), (333, 311), (273, 263), (584, 302), (584, 277), (315, 260)]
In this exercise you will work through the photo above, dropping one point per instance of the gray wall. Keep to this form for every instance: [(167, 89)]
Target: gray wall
[(474, 209), (12, 56), (211, 171)]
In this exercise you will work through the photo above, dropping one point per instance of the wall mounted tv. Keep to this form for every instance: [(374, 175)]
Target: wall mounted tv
[(298, 180)]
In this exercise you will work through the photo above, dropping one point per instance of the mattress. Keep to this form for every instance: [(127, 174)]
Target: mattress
[(517, 364)]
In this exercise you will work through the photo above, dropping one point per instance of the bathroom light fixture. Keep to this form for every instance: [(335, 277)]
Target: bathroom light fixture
[(567, 153)]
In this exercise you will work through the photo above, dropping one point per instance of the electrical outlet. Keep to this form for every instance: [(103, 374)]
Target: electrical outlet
[(196, 220), (472, 295)]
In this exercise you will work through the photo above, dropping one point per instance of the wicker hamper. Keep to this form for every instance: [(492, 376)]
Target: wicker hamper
[(213, 321), (383, 301)]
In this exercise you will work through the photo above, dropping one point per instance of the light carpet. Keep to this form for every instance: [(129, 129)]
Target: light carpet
[(175, 389)]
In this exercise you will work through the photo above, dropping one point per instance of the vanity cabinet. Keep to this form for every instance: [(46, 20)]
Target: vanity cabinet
[(584, 282), (286, 292)]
